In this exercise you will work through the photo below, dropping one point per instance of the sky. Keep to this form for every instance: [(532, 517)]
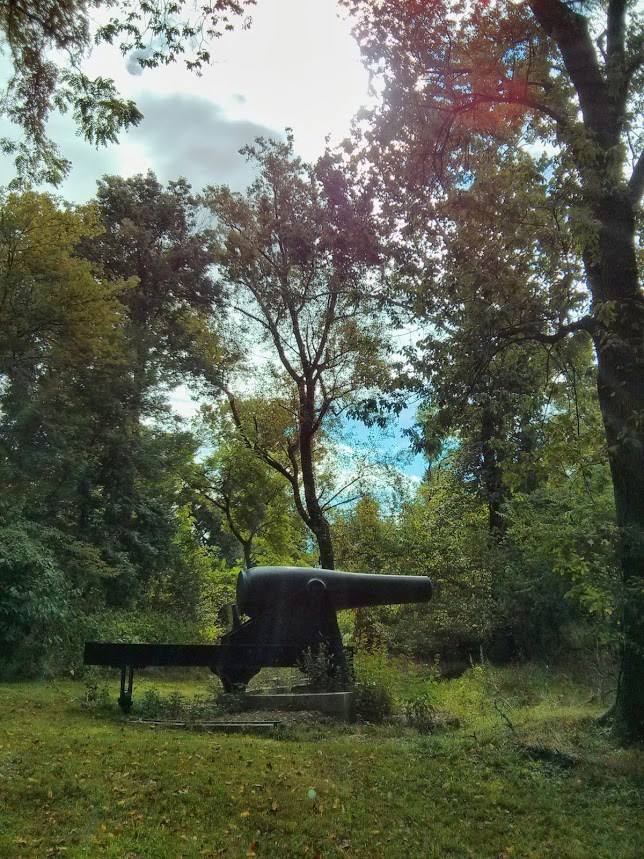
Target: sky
[(297, 67)]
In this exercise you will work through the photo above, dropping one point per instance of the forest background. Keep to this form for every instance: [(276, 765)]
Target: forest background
[(487, 201)]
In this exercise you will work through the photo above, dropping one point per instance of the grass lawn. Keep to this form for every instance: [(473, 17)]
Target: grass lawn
[(527, 774)]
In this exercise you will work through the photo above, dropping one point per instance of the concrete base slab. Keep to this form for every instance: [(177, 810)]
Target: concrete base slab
[(338, 704), (223, 727)]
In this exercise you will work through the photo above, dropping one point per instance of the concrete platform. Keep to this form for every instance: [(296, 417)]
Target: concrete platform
[(223, 727), (338, 704)]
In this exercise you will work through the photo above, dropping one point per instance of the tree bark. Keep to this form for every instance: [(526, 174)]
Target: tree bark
[(247, 548), (618, 307), (317, 520), (619, 345)]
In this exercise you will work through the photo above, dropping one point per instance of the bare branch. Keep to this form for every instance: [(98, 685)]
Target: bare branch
[(327, 507), (327, 503)]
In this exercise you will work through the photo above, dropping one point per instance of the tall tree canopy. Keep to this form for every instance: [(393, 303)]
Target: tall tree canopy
[(60, 334), (296, 250), (465, 87), (80, 469), (155, 236)]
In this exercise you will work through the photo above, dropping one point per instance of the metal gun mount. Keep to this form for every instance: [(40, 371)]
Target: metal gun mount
[(290, 610)]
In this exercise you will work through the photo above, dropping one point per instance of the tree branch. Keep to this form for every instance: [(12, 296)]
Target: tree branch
[(570, 32), (615, 31), (327, 504), (528, 331), (255, 447), (327, 507), (477, 98)]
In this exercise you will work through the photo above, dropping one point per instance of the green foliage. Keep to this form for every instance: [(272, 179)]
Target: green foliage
[(420, 712), (547, 585), (441, 533), (558, 562), (35, 602), (154, 704), (322, 673), (142, 625), (97, 695), (254, 500), (153, 237), (373, 702), (217, 591), (104, 491), (365, 539)]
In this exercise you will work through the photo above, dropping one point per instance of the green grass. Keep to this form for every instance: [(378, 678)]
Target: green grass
[(539, 780)]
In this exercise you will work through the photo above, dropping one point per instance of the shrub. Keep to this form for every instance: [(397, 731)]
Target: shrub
[(36, 603), (97, 694), (374, 702), (175, 707), (142, 626), (420, 713), (322, 673)]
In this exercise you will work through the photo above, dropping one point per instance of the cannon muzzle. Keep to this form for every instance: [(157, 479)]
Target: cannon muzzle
[(263, 588)]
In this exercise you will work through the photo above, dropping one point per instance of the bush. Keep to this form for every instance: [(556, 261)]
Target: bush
[(374, 702), (97, 694), (175, 707), (321, 672), (420, 713), (36, 603), (147, 626)]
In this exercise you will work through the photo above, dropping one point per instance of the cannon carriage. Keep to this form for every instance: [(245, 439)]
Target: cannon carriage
[(288, 611)]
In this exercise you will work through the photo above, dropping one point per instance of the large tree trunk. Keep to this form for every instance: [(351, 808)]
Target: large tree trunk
[(619, 343), (626, 454), (317, 520), (322, 533), (618, 305)]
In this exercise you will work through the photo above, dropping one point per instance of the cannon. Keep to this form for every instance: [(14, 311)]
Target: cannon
[(288, 611)]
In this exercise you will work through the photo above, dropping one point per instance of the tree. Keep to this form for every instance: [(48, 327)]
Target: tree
[(60, 342), (95, 484), (37, 33), (152, 235), (251, 496), (486, 392), (155, 237), (35, 601), (565, 80), (60, 333), (295, 252)]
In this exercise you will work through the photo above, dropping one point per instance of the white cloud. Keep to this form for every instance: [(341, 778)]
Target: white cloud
[(297, 66)]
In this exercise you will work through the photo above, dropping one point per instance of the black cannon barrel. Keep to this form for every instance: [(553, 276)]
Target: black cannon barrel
[(262, 588)]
